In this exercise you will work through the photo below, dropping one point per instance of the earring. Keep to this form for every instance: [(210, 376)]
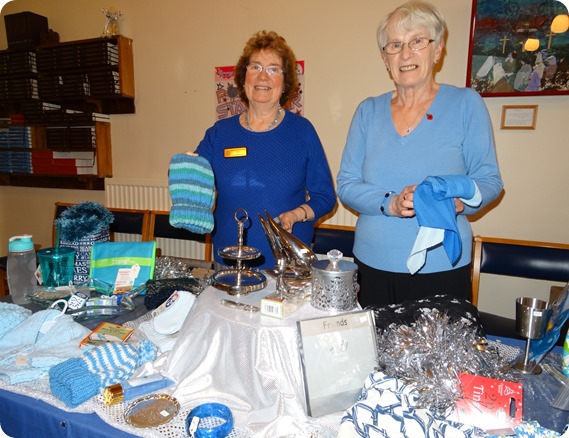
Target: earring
[(387, 68)]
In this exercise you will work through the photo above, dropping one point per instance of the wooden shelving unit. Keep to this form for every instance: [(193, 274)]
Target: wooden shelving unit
[(56, 100)]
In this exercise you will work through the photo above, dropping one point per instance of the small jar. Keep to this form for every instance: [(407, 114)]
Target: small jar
[(334, 283)]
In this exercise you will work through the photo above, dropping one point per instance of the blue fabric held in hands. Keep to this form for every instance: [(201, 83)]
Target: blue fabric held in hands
[(434, 207)]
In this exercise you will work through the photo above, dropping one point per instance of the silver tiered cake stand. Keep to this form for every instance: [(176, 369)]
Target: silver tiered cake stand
[(239, 280)]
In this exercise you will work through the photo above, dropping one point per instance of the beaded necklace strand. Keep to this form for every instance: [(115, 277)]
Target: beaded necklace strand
[(271, 126)]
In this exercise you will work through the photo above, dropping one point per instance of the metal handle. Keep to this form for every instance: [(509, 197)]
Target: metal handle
[(236, 305)]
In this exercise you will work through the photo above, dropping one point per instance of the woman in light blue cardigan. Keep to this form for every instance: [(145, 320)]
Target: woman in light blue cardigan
[(421, 129)]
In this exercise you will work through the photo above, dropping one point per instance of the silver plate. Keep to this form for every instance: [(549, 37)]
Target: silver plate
[(239, 253), (239, 281)]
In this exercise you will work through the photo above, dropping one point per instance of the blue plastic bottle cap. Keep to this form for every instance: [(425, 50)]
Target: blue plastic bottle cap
[(21, 243)]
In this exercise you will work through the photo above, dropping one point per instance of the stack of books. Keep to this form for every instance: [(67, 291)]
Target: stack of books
[(15, 148), (49, 162)]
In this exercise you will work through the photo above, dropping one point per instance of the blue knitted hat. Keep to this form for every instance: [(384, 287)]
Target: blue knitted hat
[(78, 379), (192, 190)]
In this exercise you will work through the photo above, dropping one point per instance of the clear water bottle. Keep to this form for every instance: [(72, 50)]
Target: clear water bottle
[(21, 268)]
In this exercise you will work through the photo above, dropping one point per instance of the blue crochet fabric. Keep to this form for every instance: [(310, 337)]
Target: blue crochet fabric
[(10, 316), (192, 191), (78, 379)]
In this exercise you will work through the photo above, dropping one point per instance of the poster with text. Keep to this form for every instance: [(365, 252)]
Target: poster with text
[(228, 103)]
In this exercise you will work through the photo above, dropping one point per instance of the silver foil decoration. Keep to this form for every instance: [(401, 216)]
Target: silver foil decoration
[(432, 352)]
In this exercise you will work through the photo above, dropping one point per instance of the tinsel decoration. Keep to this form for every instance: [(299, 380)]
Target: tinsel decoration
[(171, 267), (430, 354), (172, 274)]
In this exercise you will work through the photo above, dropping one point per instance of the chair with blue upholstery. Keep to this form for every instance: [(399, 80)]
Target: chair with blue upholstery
[(328, 237), (515, 258), (160, 228), (518, 258)]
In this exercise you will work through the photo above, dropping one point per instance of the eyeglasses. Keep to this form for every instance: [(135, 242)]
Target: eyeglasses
[(271, 70), (415, 44)]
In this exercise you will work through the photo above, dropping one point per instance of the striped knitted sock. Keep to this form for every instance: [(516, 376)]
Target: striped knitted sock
[(78, 379), (192, 191)]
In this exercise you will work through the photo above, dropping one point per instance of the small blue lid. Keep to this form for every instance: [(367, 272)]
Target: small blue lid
[(21, 243)]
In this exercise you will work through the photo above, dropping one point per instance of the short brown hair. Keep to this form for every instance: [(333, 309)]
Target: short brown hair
[(275, 43)]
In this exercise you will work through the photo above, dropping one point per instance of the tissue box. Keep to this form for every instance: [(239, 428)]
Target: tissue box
[(488, 403)]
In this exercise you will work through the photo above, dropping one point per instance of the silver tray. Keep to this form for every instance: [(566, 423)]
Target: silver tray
[(239, 281)]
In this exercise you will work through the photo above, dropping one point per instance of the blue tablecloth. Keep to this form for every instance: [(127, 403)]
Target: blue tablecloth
[(25, 417)]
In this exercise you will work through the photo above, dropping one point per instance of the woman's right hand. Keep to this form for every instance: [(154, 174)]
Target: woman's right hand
[(402, 204)]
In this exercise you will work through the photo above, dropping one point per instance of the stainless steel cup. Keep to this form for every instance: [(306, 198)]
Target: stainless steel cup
[(532, 317)]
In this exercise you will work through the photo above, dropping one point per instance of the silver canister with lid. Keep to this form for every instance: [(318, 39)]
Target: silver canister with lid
[(334, 283)]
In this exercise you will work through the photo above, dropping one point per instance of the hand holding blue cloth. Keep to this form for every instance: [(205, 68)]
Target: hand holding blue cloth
[(434, 207)]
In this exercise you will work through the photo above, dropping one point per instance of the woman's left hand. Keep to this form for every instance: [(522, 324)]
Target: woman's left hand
[(299, 214), (458, 206)]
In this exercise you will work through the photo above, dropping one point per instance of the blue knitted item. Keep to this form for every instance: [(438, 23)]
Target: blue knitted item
[(41, 341), (10, 316), (78, 379), (192, 190)]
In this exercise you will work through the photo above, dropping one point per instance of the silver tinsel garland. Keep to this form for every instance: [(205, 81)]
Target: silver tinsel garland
[(176, 267), (432, 352)]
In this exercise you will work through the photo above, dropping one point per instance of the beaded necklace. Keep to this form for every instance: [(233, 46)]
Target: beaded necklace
[(271, 126)]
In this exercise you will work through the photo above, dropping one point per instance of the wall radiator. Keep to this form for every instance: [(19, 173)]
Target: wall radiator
[(154, 195)]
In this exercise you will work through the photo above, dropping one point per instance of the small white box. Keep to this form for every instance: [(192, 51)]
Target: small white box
[(278, 307)]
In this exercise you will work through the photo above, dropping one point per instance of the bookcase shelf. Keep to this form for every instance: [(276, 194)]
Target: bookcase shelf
[(55, 102)]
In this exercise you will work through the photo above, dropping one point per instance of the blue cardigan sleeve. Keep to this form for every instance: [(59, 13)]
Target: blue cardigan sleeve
[(480, 151), (319, 182)]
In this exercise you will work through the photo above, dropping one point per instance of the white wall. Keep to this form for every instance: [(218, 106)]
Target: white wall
[(177, 44)]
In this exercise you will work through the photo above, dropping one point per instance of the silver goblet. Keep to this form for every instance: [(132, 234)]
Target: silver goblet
[(532, 317)]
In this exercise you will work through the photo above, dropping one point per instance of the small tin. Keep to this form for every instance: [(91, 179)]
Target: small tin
[(334, 283)]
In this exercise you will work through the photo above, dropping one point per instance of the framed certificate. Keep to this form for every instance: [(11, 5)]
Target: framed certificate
[(518, 117), (337, 352)]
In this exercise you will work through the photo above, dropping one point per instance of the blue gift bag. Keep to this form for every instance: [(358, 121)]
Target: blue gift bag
[(109, 257)]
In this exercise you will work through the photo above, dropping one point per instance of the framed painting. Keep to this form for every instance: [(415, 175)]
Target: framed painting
[(518, 48)]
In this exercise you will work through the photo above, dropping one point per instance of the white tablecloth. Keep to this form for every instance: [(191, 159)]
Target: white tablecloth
[(247, 361)]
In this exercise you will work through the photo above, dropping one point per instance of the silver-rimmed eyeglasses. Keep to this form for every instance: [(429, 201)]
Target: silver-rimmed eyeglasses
[(415, 44), (271, 70)]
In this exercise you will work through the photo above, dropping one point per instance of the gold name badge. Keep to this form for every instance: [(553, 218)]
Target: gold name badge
[(235, 152)]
